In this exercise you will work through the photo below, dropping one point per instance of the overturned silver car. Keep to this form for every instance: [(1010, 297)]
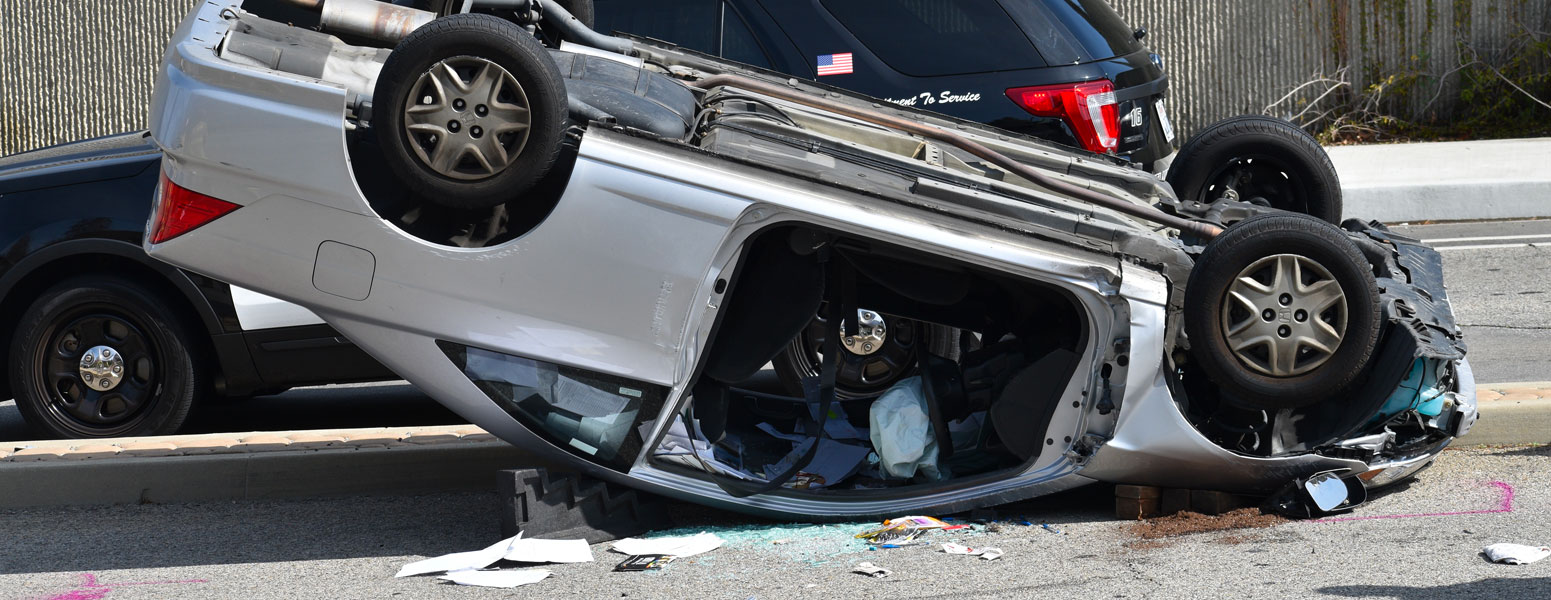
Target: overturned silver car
[(594, 247)]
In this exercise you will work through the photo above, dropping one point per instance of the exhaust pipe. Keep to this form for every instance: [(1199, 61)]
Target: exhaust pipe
[(371, 19)]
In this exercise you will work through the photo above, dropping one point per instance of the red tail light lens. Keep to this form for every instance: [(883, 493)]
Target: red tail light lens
[(181, 210), (1088, 108)]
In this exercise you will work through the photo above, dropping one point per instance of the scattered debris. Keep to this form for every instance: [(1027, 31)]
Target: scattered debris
[(1515, 554), (781, 542), (549, 551), (1186, 523), (984, 553), (681, 547), (459, 561), (496, 579), (1047, 527), (644, 562), (871, 570)]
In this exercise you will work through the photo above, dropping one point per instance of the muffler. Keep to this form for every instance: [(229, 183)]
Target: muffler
[(371, 19)]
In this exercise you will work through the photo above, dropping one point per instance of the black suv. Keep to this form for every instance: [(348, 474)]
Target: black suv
[(1070, 71)]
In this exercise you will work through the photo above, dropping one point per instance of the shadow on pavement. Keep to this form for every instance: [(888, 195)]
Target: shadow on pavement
[(1500, 587)]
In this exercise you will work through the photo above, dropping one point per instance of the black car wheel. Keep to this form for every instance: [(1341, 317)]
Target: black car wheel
[(470, 111), (885, 350), (1282, 310), (1261, 160), (103, 357)]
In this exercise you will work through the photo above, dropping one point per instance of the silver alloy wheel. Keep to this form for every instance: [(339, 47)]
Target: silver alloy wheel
[(1285, 315), (467, 118)]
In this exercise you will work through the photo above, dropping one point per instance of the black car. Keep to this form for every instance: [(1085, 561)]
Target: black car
[(99, 339), (1069, 71)]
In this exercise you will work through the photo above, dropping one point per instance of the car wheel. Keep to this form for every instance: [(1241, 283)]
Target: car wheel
[(885, 350), (104, 357), (470, 111), (1282, 311), (1260, 160)]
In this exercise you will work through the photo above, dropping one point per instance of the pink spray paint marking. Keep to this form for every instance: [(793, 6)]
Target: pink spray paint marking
[(91, 590), (1506, 506)]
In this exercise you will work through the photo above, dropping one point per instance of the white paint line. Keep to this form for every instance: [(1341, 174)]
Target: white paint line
[(1488, 238), (1487, 246)]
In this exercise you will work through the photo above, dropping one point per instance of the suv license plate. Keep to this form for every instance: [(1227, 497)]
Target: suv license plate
[(1163, 120)]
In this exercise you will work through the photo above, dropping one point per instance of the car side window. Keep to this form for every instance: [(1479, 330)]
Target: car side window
[(927, 38), (738, 42), (693, 24)]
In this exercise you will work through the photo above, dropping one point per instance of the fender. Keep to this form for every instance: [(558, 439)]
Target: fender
[(213, 321)]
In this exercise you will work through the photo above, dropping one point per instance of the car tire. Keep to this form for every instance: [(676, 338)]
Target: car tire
[(1282, 311), (160, 381), (470, 112), (860, 376), (1262, 160)]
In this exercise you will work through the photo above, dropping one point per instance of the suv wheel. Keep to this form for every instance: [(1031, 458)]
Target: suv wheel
[(103, 357), (1260, 160), (885, 350)]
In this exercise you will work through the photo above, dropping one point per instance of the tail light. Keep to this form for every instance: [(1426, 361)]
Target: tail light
[(1088, 108), (180, 210)]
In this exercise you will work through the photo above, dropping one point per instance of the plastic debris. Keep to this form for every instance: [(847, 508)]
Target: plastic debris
[(871, 570), (459, 561), (1515, 554), (983, 553), (1047, 527), (549, 551), (644, 562), (496, 579), (681, 547)]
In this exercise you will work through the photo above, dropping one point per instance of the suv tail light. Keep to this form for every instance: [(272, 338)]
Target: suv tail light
[(1088, 108), (180, 210)]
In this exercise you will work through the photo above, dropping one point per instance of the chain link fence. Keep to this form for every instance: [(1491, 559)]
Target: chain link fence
[(74, 69)]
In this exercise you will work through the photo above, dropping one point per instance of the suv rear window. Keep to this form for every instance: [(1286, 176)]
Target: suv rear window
[(964, 36), (1096, 27)]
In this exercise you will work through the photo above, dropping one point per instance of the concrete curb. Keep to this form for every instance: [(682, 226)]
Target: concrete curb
[(1445, 181), (177, 469), (1512, 414), (390, 461)]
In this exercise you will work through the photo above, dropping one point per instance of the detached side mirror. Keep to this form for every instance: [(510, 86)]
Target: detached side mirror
[(1317, 495)]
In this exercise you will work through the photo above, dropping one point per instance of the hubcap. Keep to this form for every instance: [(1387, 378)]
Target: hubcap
[(102, 368), (871, 332), (1284, 315), (862, 371), (467, 118)]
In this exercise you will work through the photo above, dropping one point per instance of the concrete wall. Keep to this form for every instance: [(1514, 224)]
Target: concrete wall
[(72, 69)]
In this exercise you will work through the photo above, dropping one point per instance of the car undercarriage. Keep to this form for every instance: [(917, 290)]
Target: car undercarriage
[(969, 316)]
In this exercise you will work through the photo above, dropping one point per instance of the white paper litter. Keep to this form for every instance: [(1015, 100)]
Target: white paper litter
[(496, 579), (681, 547), (1515, 554), (984, 553), (871, 570), (549, 551), (477, 559)]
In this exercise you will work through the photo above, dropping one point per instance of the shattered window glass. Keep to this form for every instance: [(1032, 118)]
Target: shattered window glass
[(593, 415)]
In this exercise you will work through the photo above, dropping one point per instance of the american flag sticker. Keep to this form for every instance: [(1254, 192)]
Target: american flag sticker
[(835, 64)]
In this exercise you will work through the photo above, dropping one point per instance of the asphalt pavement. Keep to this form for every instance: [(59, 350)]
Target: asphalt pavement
[(1420, 542), (1496, 275)]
